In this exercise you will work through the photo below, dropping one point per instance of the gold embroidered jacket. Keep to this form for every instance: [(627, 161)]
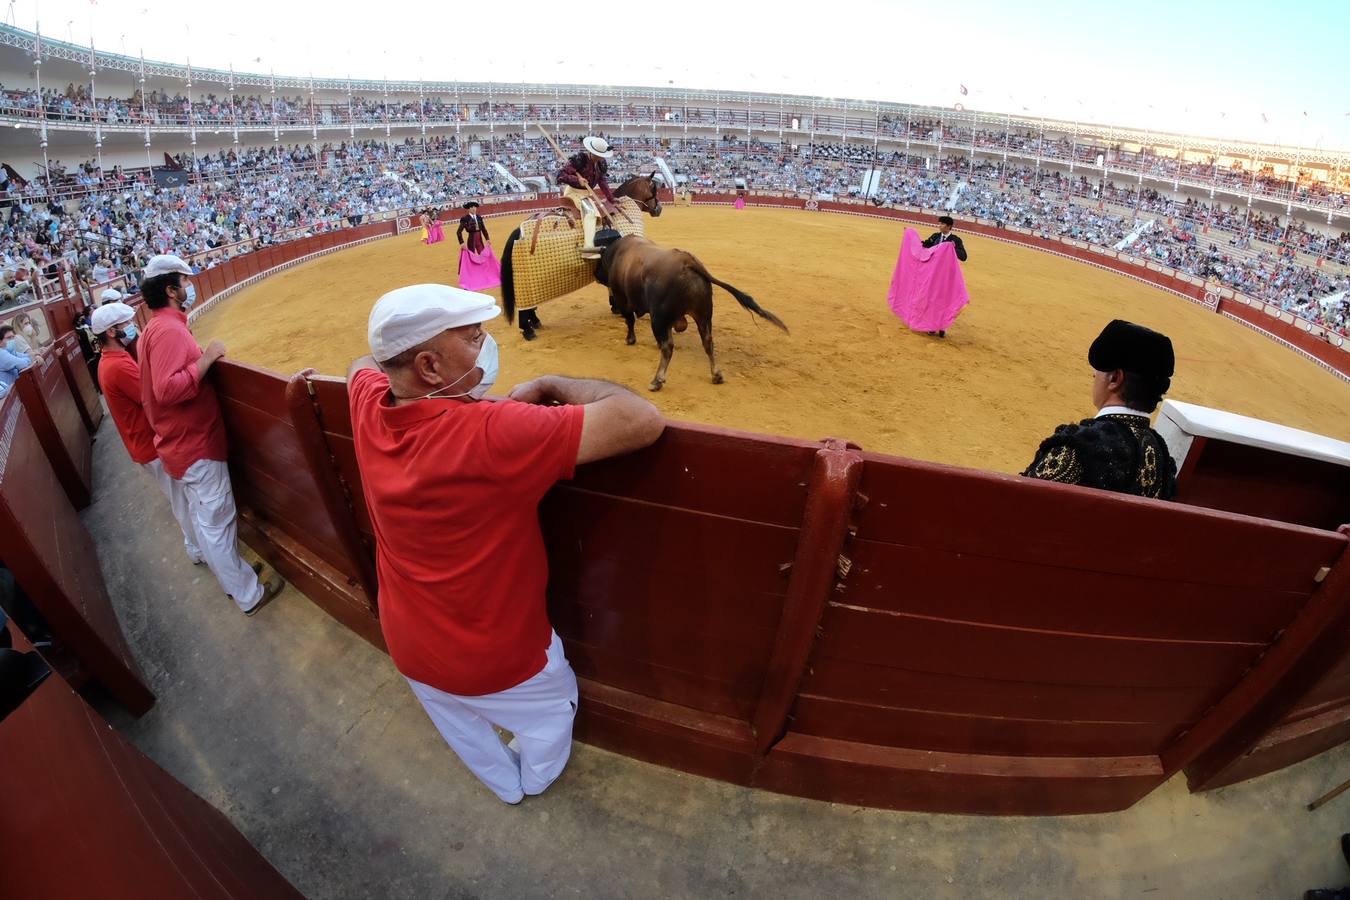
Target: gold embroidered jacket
[(1112, 453)]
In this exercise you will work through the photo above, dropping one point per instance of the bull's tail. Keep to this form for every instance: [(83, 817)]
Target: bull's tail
[(509, 277), (742, 298)]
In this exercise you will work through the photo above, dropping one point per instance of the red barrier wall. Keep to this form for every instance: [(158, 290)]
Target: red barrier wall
[(91, 815)]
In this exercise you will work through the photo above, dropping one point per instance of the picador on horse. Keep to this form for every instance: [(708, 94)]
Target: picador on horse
[(588, 169)]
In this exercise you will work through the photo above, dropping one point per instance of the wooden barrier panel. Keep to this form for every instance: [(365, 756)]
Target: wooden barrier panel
[(80, 382), (56, 419), (283, 515), (52, 556), (93, 816)]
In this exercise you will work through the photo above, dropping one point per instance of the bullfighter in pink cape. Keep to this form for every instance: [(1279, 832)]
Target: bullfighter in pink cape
[(479, 269), (927, 290)]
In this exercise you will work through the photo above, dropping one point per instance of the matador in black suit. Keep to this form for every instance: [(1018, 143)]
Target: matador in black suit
[(944, 236), (472, 223), (1117, 450)]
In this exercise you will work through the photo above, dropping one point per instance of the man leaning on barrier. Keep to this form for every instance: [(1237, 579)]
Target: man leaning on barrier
[(453, 485)]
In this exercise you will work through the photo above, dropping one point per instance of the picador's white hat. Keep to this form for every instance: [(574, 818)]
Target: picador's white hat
[(598, 146), (406, 317), (110, 314), (164, 264)]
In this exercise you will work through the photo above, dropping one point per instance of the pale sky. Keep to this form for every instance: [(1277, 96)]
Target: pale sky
[(1201, 67)]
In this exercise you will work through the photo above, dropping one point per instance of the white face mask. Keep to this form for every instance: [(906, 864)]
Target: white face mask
[(487, 361)]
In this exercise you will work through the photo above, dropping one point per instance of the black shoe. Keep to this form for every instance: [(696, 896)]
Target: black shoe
[(942, 334), (274, 585)]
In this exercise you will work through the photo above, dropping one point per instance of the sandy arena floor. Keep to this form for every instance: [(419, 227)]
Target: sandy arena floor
[(1013, 366)]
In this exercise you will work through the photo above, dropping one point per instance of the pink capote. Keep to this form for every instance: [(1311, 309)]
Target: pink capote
[(434, 233), (927, 290), (479, 271), (740, 203)]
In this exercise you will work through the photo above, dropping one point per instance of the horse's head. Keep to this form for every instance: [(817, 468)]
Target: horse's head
[(641, 189)]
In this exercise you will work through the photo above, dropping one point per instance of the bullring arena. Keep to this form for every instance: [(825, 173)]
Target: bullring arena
[(827, 641), (984, 397)]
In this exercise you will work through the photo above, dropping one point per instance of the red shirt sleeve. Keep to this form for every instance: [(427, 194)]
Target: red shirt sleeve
[(533, 447), (174, 376), (365, 387)]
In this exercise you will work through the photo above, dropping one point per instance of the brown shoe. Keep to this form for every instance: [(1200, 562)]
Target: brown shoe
[(273, 586)]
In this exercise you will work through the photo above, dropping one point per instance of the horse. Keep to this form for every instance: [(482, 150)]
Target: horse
[(542, 260), (669, 285)]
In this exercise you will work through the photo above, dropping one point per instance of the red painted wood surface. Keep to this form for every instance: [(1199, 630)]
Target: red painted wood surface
[(52, 556), (81, 383), (1258, 482), (89, 815), (55, 419), (280, 497)]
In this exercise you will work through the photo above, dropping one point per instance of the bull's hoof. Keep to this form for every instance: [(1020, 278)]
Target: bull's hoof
[(528, 334), (717, 378), (630, 340), (655, 385)]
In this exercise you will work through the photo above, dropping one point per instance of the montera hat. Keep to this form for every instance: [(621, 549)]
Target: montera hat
[(409, 316), (1133, 348)]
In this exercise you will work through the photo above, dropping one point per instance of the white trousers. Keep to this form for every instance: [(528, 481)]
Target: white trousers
[(538, 711), (178, 502), (206, 484)]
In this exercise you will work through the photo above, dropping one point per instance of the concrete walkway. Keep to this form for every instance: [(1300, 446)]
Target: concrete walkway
[(312, 744)]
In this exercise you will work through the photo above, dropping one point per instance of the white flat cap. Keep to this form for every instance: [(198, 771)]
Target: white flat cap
[(406, 317), (110, 314), (111, 295), (164, 264)]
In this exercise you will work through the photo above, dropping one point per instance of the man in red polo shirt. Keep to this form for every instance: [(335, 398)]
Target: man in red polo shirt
[(453, 486), (120, 378), (182, 408)]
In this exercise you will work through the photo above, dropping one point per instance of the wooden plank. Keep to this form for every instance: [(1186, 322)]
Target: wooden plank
[(990, 590), (937, 507), (1313, 644), (663, 734), (999, 653), (886, 686), (1285, 745), (638, 676), (928, 730), (927, 781)]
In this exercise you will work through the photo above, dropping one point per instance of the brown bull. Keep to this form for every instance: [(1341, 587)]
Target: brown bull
[(644, 279)]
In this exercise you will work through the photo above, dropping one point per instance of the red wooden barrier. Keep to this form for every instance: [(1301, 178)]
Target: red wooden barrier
[(98, 818), (56, 420), (52, 556), (80, 382)]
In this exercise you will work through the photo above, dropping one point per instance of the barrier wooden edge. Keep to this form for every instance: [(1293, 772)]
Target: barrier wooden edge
[(307, 419), (1312, 644), (830, 498)]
